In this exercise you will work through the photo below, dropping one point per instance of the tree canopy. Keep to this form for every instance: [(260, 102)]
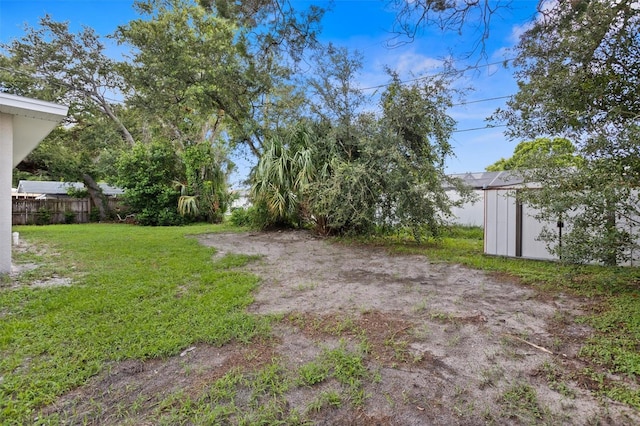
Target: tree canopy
[(540, 152)]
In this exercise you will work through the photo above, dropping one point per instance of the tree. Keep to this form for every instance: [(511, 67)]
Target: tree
[(579, 75), (56, 65), (540, 152), (53, 64), (197, 69), (204, 192), (187, 70), (282, 176), (357, 172)]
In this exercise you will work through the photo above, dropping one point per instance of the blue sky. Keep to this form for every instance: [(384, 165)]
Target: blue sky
[(362, 25)]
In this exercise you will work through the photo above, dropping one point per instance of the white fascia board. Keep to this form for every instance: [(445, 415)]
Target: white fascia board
[(33, 120), (32, 108)]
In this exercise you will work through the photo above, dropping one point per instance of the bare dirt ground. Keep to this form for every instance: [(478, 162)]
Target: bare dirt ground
[(448, 345)]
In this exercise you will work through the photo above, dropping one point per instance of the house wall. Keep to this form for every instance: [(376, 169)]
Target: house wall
[(6, 169)]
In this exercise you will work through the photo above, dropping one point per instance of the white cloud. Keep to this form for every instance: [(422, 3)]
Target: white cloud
[(412, 63), (518, 30)]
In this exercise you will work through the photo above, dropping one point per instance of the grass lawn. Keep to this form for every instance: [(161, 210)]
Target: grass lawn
[(142, 293), (138, 293)]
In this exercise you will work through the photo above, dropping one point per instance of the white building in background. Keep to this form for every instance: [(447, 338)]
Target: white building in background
[(24, 122), (473, 213)]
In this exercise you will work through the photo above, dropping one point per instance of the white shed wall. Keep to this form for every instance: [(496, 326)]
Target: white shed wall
[(469, 214), (500, 223), (532, 247)]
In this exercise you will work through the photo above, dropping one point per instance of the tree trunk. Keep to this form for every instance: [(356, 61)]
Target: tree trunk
[(96, 195)]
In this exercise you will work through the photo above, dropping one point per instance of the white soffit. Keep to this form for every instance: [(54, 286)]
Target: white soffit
[(33, 120)]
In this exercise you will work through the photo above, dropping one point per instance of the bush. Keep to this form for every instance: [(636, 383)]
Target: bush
[(241, 217), (43, 216), (147, 173), (94, 215), (69, 217)]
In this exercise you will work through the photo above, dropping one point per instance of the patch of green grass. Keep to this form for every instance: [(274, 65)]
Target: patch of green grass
[(326, 399), (313, 373), (520, 401), (137, 293), (270, 381), (348, 368), (556, 381)]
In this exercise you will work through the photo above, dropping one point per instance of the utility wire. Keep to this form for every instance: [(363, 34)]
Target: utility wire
[(479, 128), (475, 101)]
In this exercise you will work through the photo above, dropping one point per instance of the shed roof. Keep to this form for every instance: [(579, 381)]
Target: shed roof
[(60, 188), (486, 180)]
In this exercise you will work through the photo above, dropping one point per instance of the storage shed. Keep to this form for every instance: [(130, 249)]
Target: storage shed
[(472, 213), (510, 228), (24, 122)]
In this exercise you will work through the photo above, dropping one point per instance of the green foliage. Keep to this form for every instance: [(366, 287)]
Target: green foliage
[(313, 373), (354, 173), (389, 173), (281, 178), (204, 196), (147, 173), (521, 402), (541, 152), (241, 217), (69, 217), (43, 216), (74, 192)]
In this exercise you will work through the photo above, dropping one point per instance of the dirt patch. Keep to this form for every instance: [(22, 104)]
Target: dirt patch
[(442, 344)]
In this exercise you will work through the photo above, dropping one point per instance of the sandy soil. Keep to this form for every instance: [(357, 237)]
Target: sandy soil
[(450, 345)]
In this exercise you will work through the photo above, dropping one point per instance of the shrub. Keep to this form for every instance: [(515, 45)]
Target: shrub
[(43, 216), (69, 217), (241, 217)]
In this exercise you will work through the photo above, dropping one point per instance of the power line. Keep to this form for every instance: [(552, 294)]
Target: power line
[(479, 128), (475, 101)]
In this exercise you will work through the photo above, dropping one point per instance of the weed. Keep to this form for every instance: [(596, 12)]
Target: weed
[(270, 381), (421, 332), (520, 401), (400, 349), (441, 316), (555, 379), (348, 367), (330, 398), (313, 373), (420, 306), (453, 340), (225, 389), (345, 325), (306, 286), (489, 377)]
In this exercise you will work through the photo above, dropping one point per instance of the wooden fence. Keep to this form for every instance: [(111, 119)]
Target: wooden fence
[(28, 211)]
